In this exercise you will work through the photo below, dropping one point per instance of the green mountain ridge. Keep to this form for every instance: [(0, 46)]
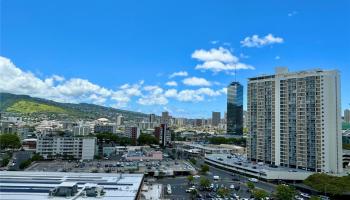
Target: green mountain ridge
[(27, 105)]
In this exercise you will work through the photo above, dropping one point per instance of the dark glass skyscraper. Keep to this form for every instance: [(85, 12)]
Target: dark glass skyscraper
[(235, 109)]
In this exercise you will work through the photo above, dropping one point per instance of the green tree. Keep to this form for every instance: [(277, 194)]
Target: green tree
[(190, 179), (37, 157), (223, 192), (5, 161), (315, 198), (204, 168), (284, 192), (250, 185), (25, 164), (193, 161), (194, 193), (147, 139), (259, 194), (204, 182), (325, 183), (9, 141)]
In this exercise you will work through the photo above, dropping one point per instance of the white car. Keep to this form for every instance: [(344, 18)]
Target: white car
[(196, 176), (190, 189), (168, 189), (232, 187), (254, 180)]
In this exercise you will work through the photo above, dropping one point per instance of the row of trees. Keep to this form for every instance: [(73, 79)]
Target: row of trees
[(110, 137), (325, 183), (144, 139), (223, 140), (283, 192), (147, 139)]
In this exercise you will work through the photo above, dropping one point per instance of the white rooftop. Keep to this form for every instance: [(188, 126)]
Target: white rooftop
[(36, 185)]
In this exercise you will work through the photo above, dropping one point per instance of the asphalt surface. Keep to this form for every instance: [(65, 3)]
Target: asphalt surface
[(180, 184)]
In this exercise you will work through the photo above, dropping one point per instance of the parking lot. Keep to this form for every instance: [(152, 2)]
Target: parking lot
[(167, 167)]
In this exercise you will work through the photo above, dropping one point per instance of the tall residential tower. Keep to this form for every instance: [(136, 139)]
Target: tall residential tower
[(294, 120), (235, 109)]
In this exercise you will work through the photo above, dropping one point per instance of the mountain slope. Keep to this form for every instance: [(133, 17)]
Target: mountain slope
[(26, 105)]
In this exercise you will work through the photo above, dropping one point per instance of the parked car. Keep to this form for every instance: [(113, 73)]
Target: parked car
[(254, 180)]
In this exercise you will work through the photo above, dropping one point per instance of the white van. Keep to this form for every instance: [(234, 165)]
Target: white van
[(216, 178), (168, 189)]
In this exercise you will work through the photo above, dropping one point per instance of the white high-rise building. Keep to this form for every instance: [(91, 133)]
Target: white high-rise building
[(78, 147), (81, 130), (120, 120), (294, 120)]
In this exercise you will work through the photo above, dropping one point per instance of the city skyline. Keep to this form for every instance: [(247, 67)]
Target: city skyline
[(67, 55)]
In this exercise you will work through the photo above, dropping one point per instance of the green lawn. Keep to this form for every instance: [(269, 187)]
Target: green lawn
[(24, 106)]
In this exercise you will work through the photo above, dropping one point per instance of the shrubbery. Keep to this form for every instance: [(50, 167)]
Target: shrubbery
[(330, 184)]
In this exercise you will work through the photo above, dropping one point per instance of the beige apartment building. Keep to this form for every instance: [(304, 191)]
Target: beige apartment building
[(294, 120)]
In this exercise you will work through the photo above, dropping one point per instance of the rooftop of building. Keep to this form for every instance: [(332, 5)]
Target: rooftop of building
[(37, 185), (284, 70), (238, 160)]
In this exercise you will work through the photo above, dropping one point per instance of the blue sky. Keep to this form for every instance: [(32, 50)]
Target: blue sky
[(121, 53)]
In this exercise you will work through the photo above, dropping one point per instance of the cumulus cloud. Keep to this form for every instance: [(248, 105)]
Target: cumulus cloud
[(256, 41), (220, 54), (217, 66), (154, 96), (57, 88), (218, 60), (171, 83), (180, 73), (76, 90), (125, 93), (188, 95), (14, 80), (196, 81)]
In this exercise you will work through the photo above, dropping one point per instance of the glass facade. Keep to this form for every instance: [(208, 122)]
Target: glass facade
[(235, 109)]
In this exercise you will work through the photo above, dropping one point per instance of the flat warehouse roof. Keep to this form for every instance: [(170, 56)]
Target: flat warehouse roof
[(37, 185)]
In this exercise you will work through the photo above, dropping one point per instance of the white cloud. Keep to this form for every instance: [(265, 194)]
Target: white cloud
[(214, 41), (57, 88), (256, 41), (241, 55), (171, 83), (291, 14), (76, 90), (217, 66), (188, 95), (125, 93), (195, 81), (171, 93), (219, 54), (180, 73), (277, 57), (154, 96), (217, 60)]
